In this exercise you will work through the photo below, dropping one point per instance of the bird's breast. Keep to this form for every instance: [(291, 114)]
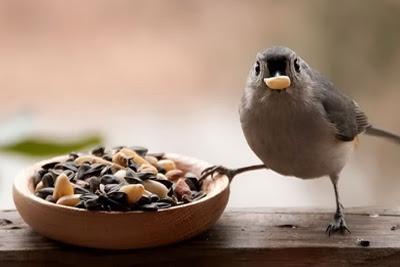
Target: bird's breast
[(293, 139)]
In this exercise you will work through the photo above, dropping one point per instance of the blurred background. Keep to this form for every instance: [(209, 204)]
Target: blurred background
[(169, 75)]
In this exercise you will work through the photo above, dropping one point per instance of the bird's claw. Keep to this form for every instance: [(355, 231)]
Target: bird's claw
[(210, 171), (338, 225)]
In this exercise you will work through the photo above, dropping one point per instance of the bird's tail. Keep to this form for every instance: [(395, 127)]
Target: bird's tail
[(382, 133)]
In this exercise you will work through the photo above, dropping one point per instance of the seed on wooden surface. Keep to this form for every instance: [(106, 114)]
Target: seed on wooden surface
[(70, 200), (166, 164), (62, 187), (156, 188), (174, 175), (133, 191)]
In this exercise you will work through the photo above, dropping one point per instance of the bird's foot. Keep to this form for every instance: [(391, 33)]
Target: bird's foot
[(210, 171), (338, 225)]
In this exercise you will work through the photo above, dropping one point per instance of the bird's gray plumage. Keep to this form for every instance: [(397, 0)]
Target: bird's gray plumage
[(306, 130)]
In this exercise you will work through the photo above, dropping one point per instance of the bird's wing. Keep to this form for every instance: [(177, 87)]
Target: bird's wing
[(344, 113)]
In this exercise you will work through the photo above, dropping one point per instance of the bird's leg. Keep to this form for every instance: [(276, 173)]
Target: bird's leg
[(338, 224), (228, 172)]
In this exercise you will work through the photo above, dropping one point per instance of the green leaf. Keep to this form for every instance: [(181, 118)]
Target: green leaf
[(42, 147)]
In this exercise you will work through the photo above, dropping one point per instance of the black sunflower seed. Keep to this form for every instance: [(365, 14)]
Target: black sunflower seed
[(169, 200), (93, 204), (81, 173), (80, 190), (120, 197), (37, 176), (66, 166), (154, 198), (148, 207), (109, 188), (163, 205), (44, 192), (48, 180), (167, 183), (88, 196), (72, 156), (98, 151), (145, 176), (198, 195), (95, 169), (107, 157), (141, 151), (109, 179), (50, 165), (106, 170), (193, 183), (144, 200), (133, 180)]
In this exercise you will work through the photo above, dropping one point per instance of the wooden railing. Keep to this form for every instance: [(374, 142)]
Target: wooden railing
[(242, 237)]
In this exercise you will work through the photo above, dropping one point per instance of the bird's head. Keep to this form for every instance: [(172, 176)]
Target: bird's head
[(278, 70)]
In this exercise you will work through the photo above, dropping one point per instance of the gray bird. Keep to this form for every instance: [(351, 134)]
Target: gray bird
[(298, 123)]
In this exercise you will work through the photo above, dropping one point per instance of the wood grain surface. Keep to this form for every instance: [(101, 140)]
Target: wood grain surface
[(242, 237)]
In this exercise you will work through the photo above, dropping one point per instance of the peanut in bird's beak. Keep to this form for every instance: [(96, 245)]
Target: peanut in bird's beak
[(279, 82)]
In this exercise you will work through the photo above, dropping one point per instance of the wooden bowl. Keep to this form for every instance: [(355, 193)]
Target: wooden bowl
[(122, 230)]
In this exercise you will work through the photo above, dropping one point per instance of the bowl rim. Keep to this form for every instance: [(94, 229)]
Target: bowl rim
[(24, 177)]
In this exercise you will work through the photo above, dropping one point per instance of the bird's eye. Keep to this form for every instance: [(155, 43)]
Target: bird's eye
[(257, 68), (296, 65)]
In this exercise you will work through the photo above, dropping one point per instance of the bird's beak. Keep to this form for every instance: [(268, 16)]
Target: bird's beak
[(278, 82)]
